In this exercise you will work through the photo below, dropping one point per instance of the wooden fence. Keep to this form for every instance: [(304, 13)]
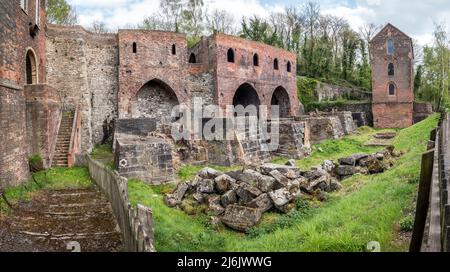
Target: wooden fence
[(432, 223), (136, 224)]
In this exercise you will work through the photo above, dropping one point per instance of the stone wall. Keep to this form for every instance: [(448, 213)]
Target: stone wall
[(146, 158), (43, 114), (82, 66), (325, 91), (294, 139), (347, 122), (421, 111), (324, 128), (392, 111)]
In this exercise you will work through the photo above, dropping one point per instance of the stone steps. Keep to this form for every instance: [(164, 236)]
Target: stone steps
[(63, 140), (54, 218)]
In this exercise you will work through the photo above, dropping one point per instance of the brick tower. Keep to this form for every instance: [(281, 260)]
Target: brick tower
[(392, 57)]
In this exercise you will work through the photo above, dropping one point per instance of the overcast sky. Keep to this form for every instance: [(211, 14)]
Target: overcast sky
[(415, 17)]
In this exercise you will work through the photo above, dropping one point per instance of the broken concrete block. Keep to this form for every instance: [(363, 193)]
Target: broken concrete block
[(205, 186), (223, 183), (228, 198), (262, 202), (209, 173), (241, 218)]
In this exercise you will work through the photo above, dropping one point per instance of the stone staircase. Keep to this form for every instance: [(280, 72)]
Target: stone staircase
[(63, 140), (53, 220)]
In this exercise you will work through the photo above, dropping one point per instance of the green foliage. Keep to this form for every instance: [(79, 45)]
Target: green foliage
[(306, 88), (53, 179), (407, 223), (326, 105), (368, 208), (102, 151), (433, 77), (35, 159), (259, 30), (60, 12)]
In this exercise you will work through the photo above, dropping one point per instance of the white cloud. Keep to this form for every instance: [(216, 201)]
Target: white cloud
[(414, 17)]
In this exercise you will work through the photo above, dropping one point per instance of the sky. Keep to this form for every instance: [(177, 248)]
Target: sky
[(415, 17)]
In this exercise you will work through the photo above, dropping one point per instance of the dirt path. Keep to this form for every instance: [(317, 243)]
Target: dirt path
[(53, 220)]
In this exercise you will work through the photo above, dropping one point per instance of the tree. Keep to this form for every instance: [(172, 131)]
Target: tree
[(98, 27), (60, 12), (418, 82), (259, 30), (220, 21), (170, 13), (192, 18)]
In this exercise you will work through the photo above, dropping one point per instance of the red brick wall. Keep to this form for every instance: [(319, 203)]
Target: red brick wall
[(153, 60), (264, 78), (43, 110), (392, 111), (15, 40)]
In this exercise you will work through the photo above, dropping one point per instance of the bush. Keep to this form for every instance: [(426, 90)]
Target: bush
[(36, 163), (306, 90), (407, 223)]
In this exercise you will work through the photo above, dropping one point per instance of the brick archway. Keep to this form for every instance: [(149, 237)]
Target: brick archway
[(280, 97), (31, 67), (155, 99)]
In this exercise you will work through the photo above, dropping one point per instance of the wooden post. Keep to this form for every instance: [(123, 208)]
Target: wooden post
[(423, 200)]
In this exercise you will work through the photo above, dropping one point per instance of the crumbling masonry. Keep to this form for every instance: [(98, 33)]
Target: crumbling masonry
[(62, 89)]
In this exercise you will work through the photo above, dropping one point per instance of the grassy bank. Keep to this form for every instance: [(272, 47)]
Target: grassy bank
[(335, 149), (369, 208), (52, 179)]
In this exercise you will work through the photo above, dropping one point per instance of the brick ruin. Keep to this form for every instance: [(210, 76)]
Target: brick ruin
[(60, 81), (392, 78)]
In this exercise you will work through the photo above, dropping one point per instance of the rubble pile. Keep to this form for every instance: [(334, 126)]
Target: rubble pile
[(239, 198)]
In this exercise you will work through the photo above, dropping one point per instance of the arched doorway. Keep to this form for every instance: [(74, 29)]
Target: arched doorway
[(31, 74), (154, 100), (280, 98), (245, 96)]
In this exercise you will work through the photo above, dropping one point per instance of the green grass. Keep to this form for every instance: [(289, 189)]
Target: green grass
[(335, 149), (369, 208), (53, 179), (104, 154)]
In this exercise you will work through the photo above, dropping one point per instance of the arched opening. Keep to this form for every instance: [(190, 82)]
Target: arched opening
[(230, 55), (390, 47), (280, 98), (391, 71), (134, 47), (275, 64), (289, 67), (246, 96), (31, 68), (192, 58), (154, 100), (255, 60), (174, 49), (391, 89)]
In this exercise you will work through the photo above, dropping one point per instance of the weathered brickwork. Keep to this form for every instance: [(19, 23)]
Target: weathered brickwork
[(17, 44), (43, 115), (253, 65), (13, 144), (151, 55), (392, 108), (82, 66)]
